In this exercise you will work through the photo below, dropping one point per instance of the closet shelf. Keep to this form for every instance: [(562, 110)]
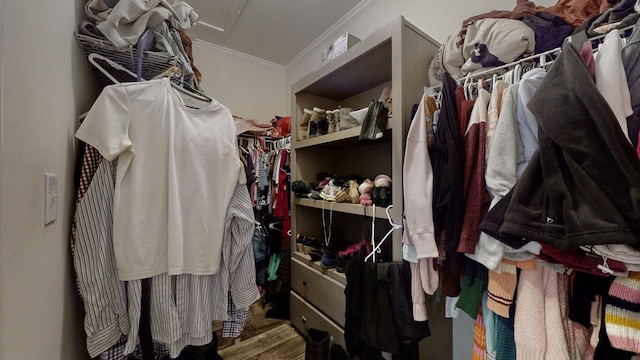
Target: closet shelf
[(366, 65), (355, 209), (153, 63), (332, 273), (341, 139)]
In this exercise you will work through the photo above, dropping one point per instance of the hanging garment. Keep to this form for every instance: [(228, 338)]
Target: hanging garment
[(583, 185), (447, 159), (167, 155), (631, 62), (476, 197)]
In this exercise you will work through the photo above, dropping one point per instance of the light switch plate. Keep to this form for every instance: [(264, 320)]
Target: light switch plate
[(50, 198)]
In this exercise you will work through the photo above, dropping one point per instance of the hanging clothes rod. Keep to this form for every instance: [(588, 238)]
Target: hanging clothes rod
[(541, 57)]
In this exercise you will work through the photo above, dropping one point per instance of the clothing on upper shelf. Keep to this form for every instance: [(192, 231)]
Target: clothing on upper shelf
[(188, 146)]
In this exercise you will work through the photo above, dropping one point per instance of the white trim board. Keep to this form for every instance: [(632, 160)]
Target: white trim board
[(347, 19), (217, 48)]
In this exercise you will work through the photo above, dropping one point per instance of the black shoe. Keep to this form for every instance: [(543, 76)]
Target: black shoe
[(313, 129), (323, 125), (375, 122)]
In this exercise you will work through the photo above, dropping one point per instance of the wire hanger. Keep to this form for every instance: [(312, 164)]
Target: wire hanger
[(92, 59), (376, 248)]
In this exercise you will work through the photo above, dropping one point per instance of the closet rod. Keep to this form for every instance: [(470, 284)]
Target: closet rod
[(492, 71)]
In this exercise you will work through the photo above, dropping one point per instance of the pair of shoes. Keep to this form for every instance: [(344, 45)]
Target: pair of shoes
[(365, 190), (381, 194), (375, 122)]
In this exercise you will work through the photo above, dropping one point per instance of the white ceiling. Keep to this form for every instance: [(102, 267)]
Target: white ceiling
[(272, 30)]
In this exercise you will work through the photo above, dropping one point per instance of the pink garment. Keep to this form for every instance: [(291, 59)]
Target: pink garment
[(542, 329), (418, 189)]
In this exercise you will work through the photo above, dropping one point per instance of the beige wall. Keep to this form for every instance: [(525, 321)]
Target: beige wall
[(45, 85), (251, 88)]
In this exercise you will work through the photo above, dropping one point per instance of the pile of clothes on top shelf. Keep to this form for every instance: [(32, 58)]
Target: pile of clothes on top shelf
[(122, 23), (499, 37)]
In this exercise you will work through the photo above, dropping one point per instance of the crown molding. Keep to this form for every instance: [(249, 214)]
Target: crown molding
[(347, 19), (217, 48)]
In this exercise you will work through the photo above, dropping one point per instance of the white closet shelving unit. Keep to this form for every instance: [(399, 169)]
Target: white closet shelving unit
[(397, 55)]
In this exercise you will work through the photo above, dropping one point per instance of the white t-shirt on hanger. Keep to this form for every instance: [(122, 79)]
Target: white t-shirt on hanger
[(177, 170)]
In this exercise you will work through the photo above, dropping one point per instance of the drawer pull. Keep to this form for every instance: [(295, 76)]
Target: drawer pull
[(304, 282)]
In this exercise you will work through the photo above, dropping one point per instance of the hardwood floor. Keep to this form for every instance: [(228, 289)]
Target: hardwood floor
[(263, 338)]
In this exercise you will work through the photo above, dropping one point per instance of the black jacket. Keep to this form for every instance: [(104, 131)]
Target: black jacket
[(584, 185)]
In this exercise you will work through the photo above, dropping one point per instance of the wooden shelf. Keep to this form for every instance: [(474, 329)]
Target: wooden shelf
[(340, 138), (355, 209)]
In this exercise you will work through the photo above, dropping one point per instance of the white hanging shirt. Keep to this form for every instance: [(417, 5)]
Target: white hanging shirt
[(177, 170)]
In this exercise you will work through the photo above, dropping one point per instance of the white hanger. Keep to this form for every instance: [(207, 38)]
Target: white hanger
[(92, 59), (468, 83), (376, 248)]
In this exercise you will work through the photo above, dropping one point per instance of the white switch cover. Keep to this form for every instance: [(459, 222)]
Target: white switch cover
[(50, 198)]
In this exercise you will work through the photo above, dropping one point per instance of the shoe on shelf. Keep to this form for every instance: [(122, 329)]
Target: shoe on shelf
[(336, 118), (365, 190), (329, 259), (316, 255), (300, 243), (300, 188), (375, 122), (303, 127), (346, 120), (310, 243), (381, 194), (323, 125), (342, 196), (313, 121), (330, 191), (382, 180), (354, 195), (332, 121)]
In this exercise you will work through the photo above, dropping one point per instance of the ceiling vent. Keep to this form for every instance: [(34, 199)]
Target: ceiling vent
[(218, 15)]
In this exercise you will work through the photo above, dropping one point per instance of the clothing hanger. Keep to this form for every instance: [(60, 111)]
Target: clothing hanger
[(376, 248), (466, 86), (174, 74), (92, 59)]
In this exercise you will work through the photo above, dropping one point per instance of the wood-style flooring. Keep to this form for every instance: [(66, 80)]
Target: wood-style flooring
[(263, 338)]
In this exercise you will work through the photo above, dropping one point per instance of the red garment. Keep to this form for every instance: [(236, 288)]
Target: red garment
[(477, 198), (576, 259), (464, 109), (282, 197)]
